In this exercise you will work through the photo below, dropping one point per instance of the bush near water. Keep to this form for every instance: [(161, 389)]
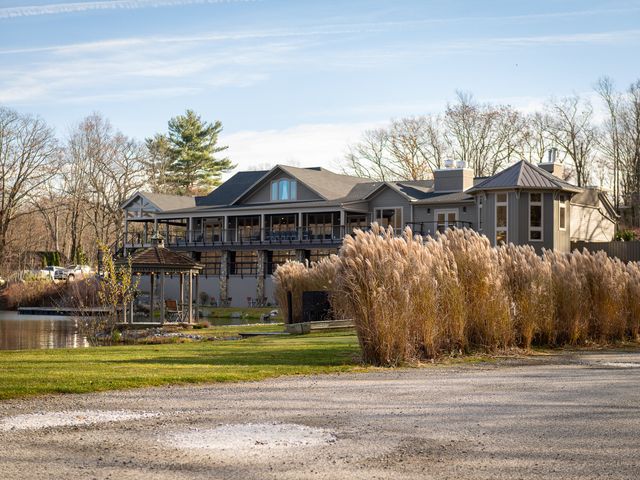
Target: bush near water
[(413, 299)]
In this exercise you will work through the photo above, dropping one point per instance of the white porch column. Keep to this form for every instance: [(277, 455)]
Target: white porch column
[(197, 309), (190, 297), (262, 227), (152, 284), (225, 225), (190, 229), (181, 290), (300, 225), (342, 229), (162, 297)]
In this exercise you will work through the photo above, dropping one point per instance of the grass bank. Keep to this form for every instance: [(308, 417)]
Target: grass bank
[(35, 372)]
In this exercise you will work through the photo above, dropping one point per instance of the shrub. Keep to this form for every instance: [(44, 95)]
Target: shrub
[(625, 235)]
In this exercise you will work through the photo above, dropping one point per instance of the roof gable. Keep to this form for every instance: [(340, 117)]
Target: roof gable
[(162, 202), (324, 183)]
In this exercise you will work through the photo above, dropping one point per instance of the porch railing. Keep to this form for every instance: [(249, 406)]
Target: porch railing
[(430, 228), (307, 235)]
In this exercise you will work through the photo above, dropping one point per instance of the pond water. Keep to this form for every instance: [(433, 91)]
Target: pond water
[(21, 332)]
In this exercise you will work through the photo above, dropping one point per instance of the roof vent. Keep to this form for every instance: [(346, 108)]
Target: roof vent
[(448, 163), (461, 164), (552, 155)]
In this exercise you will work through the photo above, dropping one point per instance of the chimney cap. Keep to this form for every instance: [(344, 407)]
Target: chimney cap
[(157, 240)]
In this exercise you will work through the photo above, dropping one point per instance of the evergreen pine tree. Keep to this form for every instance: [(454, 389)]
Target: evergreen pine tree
[(193, 145)]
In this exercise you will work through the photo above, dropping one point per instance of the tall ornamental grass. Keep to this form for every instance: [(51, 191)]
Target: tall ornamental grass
[(413, 298), (297, 277)]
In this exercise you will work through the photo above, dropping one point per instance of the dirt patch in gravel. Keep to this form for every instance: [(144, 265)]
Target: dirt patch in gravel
[(40, 420), (249, 438)]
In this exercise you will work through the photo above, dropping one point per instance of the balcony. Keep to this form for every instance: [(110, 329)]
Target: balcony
[(323, 235), (309, 236)]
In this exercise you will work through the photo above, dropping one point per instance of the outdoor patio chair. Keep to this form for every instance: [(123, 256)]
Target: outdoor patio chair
[(173, 311)]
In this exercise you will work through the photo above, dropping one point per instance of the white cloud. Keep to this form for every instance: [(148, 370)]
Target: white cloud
[(307, 145), (119, 74), (58, 8)]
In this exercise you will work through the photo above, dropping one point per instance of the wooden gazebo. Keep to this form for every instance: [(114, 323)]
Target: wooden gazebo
[(158, 262)]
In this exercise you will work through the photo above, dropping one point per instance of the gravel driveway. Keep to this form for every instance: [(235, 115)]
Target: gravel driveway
[(567, 416)]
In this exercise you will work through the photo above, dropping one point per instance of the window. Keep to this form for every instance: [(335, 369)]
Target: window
[(243, 262), (321, 226), (319, 254), (480, 205), (248, 229), (535, 217), (355, 220), (389, 217), (502, 215), (284, 189), (211, 261), (562, 214), (445, 219), (278, 257), (282, 227)]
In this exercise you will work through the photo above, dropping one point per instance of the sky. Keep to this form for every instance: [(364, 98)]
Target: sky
[(297, 81)]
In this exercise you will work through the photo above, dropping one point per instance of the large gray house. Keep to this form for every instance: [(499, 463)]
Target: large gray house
[(258, 220)]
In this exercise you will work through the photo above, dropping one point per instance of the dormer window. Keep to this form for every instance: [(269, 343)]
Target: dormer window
[(284, 189)]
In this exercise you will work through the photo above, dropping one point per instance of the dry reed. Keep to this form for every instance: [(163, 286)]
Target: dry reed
[(413, 298)]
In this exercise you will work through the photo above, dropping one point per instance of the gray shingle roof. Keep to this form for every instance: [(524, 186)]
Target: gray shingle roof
[(169, 202), (435, 198), (329, 185), (231, 189), (524, 175), (414, 189)]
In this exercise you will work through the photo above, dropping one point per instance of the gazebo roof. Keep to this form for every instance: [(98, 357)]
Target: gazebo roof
[(160, 259)]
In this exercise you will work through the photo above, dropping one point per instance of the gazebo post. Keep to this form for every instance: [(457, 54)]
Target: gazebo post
[(152, 282), (197, 315), (190, 297), (161, 297), (181, 290)]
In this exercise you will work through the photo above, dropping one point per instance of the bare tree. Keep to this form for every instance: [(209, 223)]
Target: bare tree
[(112, 170), (610, 143), (28, 154), (536, 141), (485, 137), (408, 149), (570, 126)]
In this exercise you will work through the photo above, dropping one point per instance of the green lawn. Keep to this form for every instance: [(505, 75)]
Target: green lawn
[(226, 330), (34, 372), (247, 313)]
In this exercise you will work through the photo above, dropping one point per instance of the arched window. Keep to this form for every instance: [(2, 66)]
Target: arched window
[(284, 189)]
